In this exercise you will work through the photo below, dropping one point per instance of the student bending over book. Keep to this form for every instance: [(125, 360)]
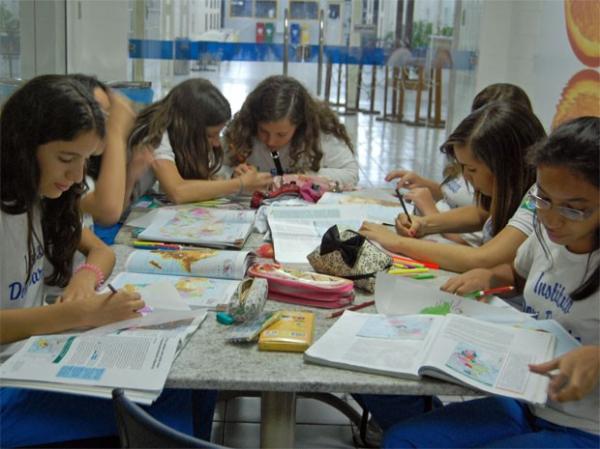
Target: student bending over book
[(490, 144), (49, 128), (558, 270), (282, 129), (183, 132), (431, 197)]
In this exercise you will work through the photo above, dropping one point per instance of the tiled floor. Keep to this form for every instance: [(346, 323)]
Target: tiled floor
[(380, 147)]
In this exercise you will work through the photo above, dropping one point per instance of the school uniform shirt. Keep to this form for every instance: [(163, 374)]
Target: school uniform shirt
[(522, 219), (338, 162), (546, 295), (15, 291), (457, 193)]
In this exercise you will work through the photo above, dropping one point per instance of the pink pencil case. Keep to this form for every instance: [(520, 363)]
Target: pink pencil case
[(304, 287)]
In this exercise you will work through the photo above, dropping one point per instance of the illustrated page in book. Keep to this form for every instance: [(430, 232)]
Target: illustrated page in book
[(394, 346), (200, 226), (398, 295), (194, 291), (491, 357), (204, 262), (487, 356), (137, 358), (297, 231)]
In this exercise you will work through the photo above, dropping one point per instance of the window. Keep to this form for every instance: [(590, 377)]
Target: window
[(266, 9), (241, 8), (304, 10)]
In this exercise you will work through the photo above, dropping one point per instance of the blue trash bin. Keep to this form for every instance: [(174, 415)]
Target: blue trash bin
[(295, 34)]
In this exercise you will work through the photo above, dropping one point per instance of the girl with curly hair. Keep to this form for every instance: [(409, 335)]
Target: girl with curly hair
[(281, 129)]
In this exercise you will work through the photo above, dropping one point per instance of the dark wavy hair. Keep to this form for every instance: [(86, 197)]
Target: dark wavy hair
[(48, 108), (499, 135), (185, 113), (574, 145), (501, 92), (91, 83), (277, 98)]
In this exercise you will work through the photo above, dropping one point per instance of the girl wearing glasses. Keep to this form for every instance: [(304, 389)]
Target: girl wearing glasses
[(183, 132), (282, 129), (557, 269), (490, 145)]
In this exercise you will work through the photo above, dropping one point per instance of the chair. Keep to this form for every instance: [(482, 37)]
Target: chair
[(138, 429)]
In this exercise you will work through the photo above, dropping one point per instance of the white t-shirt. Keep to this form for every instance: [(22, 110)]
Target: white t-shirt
[(16, 293), (546, 294), (457, 194), (522, 219), (338, 162)]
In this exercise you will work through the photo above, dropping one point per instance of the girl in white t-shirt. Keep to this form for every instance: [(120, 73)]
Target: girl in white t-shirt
[(490, 144), (183, 132), (558, 271), (49, 128), (281, 129)]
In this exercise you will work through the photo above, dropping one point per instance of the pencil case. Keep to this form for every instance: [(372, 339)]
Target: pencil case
[(349, 255), (248, 300), (303, 287)]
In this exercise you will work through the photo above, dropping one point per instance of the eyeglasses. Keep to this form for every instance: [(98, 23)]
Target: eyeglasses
[(566, 212)]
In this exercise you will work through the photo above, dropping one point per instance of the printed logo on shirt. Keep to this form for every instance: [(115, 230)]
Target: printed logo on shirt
[(527, 204), (453, 185), (553, 292), (17, 289)]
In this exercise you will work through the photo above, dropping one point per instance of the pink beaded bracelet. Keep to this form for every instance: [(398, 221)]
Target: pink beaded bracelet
[(96, 269)]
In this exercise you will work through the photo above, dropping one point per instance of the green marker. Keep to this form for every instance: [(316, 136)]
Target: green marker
[(423, 276)]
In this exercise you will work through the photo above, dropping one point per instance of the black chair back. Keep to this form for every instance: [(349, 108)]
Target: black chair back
[(138, 429)]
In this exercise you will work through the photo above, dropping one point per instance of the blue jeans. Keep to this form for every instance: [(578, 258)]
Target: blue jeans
[(30, 417), (388, 409), (493, 422)]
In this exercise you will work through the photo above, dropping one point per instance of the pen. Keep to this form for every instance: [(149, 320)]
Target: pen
[(403, 205), (356, 307), (490, 291), (112, 289)]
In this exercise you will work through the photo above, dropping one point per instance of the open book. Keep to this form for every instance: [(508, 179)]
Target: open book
[(297, 231), (215, 228), (203, 277), (137, 359), (490, 357)]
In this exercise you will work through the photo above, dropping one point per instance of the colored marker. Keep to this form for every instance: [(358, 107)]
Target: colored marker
[(490, 291)]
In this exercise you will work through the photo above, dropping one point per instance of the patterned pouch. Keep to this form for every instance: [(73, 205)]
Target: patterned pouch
[(351, 256), (248, 299)]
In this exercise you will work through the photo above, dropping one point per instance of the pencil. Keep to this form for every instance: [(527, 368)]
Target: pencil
[(112, 289), (491, 291), (356, 307), (403, 205)]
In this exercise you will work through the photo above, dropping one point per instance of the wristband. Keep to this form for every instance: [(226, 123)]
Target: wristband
[(97, 271)]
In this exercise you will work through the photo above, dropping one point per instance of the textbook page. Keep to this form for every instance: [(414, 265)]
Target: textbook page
[(92, 365), (196, 292), (204, 262), (398, 295), (297, 231), (491, 357), (395, 346), (200, 226)]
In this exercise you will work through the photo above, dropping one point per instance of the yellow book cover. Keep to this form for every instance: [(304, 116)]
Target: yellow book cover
[(292, 332)]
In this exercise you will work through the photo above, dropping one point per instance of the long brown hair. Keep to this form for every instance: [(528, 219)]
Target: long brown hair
[(185, 113), (46, 109), (277, 98), (499, 135), (574, 145)]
